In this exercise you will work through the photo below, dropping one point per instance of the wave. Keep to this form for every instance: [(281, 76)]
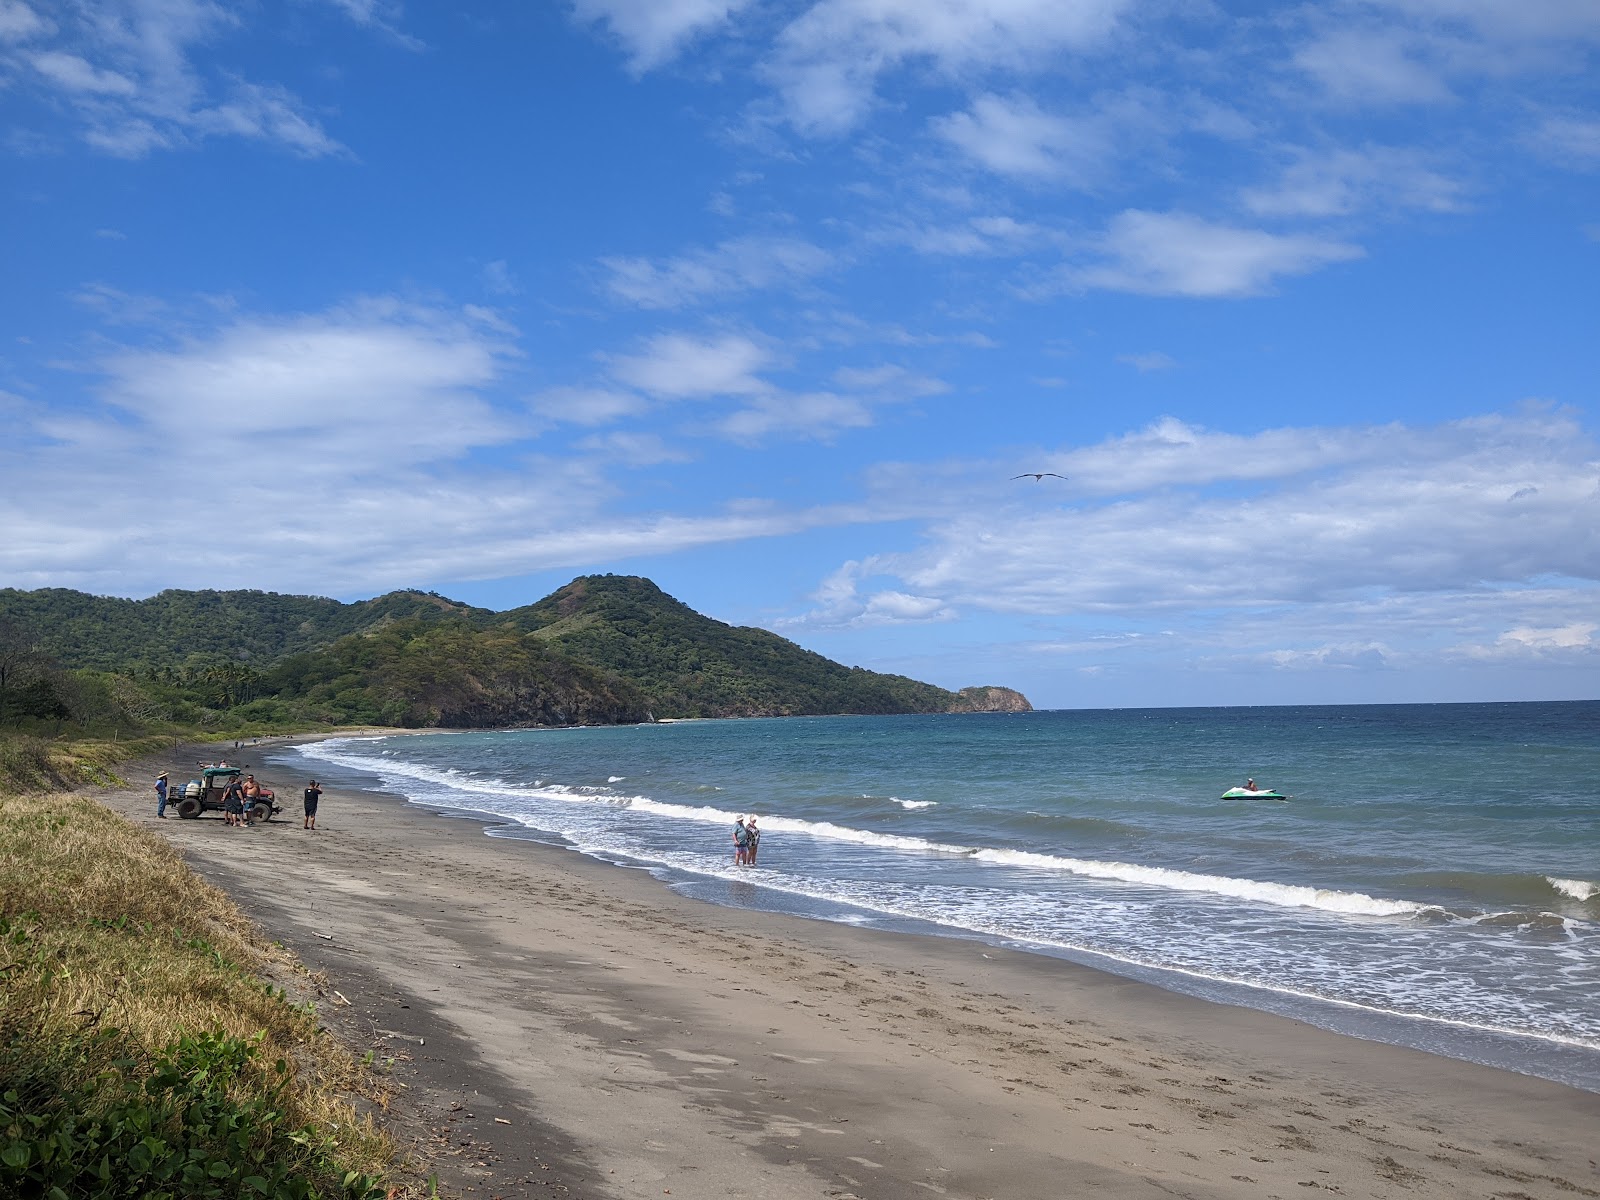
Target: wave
[(1491, 889), (1580, 890), (1283, 895), (913, 805)]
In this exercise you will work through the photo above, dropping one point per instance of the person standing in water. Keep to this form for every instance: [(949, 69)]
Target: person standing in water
[(752, 840), (741, 843)]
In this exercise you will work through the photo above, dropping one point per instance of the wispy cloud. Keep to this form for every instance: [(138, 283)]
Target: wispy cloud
[(1297, 548), (1175, 254), (1568, 139), (828, 60), (654, 31), (1342, 182), (128, 72), (678, 366), (1012, 135), (737, 265), (1374, 66)]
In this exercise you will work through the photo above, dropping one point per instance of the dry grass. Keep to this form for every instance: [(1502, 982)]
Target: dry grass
[(106, 929), (30, 764)]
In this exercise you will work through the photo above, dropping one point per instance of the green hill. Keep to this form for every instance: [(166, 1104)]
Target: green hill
[(107, 633), (689, 665), (603, 649)]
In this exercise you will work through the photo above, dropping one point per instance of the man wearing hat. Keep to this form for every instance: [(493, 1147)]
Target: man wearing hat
[(161, 795)]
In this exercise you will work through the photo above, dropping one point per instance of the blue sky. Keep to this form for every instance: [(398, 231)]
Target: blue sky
[(770, 301)]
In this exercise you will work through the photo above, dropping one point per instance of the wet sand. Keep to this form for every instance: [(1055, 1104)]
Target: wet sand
[(566, 1027)]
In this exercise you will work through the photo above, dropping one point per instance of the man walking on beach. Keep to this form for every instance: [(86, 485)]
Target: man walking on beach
[(161, 795), (313, 794)]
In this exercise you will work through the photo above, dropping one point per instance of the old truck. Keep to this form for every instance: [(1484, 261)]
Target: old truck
[(205, 795)]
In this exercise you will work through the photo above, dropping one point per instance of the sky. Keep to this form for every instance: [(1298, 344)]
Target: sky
[(772, 301)]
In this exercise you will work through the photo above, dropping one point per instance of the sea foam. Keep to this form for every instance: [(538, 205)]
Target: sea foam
[(1578, 889), (1261, 891)]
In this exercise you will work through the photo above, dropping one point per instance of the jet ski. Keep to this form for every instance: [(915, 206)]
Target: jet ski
[(1240, 793)]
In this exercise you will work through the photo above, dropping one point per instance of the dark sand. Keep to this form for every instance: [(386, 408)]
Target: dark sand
[(637, 1046)]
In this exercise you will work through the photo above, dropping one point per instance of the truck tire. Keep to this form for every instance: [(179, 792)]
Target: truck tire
[(188, 808), (261, 810)]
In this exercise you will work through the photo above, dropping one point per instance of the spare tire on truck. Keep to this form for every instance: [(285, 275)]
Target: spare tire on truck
[(189, 807)]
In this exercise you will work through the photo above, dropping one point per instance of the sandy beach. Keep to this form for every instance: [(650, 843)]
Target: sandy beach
[(563, 1026)]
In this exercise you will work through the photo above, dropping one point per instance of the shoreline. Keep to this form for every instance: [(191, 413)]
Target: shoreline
[(660, 1042), (1570, 1062)]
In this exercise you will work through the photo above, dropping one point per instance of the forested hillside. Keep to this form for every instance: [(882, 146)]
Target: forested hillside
[(108, 633), (604, 649), (689, 665)]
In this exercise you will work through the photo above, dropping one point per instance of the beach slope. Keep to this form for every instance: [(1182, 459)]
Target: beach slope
[(563, 1026)]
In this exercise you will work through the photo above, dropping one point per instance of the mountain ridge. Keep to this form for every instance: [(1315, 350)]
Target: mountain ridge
[(600, 649)]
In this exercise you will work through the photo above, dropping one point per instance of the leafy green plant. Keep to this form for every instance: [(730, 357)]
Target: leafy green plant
[(204, 1120)]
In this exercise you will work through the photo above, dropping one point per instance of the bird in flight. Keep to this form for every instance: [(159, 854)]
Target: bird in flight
[(1038, 476)]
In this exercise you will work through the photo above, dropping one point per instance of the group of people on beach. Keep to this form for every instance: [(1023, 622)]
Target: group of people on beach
[(746, 836), (239, 799)]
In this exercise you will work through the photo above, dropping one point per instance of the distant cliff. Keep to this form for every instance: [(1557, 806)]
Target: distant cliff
[(990, 700)]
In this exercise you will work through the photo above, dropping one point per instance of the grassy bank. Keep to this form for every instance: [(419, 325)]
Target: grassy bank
[(37, 764), (141, 1053)]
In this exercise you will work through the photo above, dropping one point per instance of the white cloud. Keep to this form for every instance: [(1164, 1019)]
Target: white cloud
[(889, 380), (1569, 139), (383, 15), (1175, 254), (829, 59), (1014, 136), (635, 449), (1373, 66), (841, 605), (737, 265), (1332, 512), (128, 72), (589, 406), (1526, 20), (1575, 640), (73, 74), (654, 31), (377, 378), (677, 366), (18, 22), (986, 236), (1342, 182), (816, 415), (497, 278), (350, 446)]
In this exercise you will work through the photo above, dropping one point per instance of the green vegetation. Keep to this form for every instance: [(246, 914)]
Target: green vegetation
[(141, 1055), (605, 649), (689, 665)]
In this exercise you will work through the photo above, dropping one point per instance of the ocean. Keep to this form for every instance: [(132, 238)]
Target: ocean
[(1432, 881)]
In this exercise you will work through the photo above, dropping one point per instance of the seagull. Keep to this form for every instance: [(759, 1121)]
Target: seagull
[(1038, 476)]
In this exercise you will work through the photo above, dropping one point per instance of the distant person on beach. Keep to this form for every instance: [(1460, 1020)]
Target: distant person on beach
[(752, 841), (161, 795), (313, 794), (741, 843)]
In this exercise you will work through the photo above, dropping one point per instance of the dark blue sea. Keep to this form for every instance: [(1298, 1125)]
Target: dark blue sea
[(1433, 879)]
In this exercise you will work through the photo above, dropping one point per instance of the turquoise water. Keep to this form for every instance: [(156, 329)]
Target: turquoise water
[(1433, 880)]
